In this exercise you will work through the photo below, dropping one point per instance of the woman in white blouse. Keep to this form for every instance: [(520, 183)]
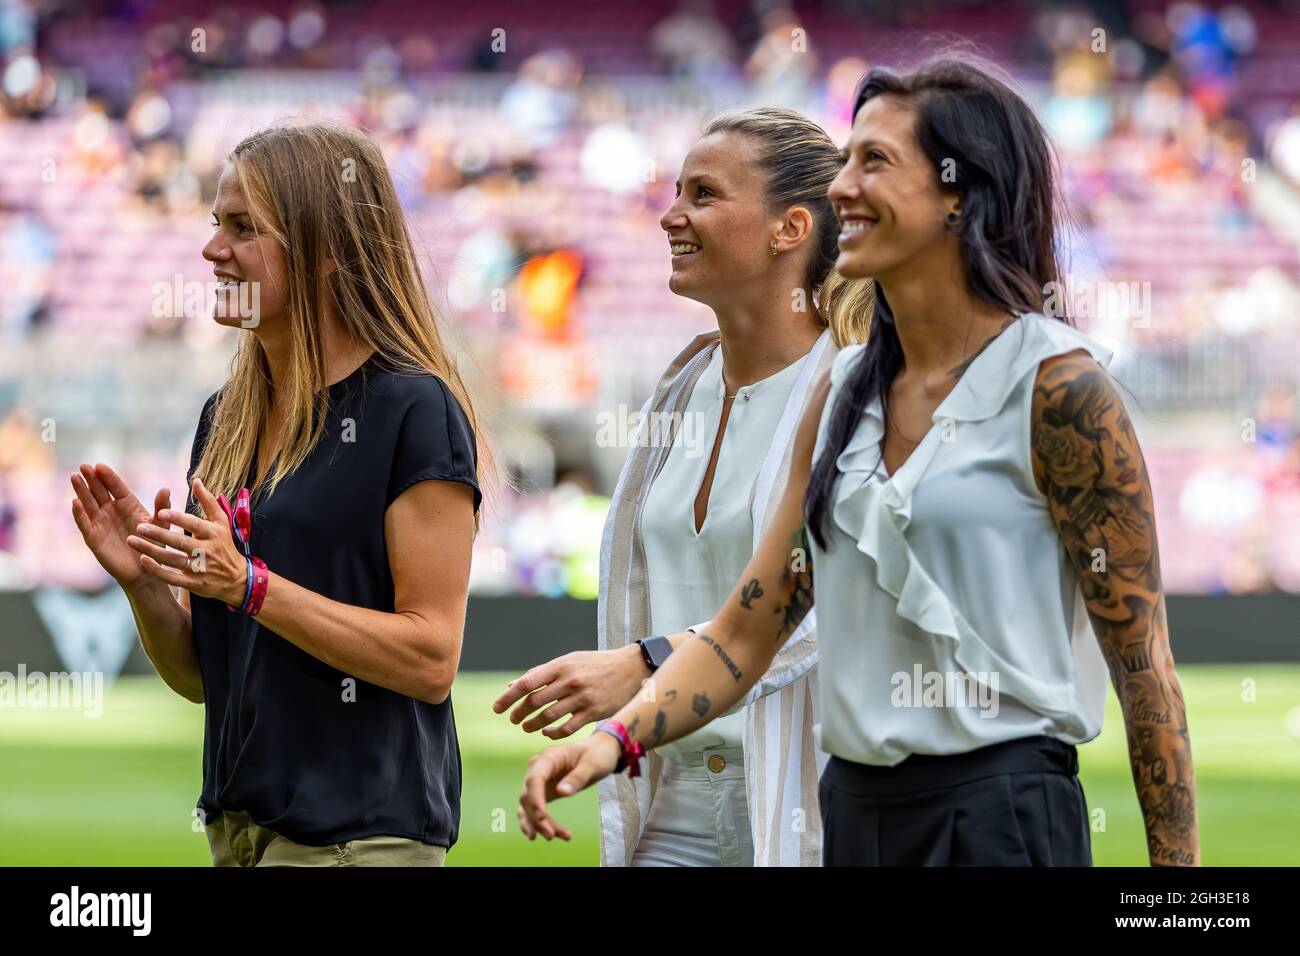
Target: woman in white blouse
[(974, 496), (753, 236)]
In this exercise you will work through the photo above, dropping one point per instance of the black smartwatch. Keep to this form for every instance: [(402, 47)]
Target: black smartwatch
[(655, 650)]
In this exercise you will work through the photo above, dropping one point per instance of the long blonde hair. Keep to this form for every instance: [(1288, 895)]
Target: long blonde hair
[(798, 161), (323, 191)]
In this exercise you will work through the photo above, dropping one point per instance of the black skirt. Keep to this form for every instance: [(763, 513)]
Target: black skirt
[(1018, 803)]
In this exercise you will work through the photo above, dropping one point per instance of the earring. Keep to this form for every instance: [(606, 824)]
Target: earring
[(773, 247), (952, 218)]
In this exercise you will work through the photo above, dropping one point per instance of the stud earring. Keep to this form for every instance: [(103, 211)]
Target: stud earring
[(773, 247)]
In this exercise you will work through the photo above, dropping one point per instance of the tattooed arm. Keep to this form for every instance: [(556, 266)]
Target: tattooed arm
[(1088, 464), (711, 670)]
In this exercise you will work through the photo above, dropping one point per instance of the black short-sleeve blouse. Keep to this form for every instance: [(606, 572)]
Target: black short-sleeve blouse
[(288, 739)]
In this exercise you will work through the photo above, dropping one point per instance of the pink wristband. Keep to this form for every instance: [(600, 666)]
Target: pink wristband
[(241, 529), (261, 576), (631, 752)]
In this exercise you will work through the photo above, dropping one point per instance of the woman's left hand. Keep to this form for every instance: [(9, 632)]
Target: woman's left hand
[(208, 564), (561, 772)]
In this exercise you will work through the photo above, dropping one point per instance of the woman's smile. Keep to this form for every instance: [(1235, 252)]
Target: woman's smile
[(681, 250), (854, 229)]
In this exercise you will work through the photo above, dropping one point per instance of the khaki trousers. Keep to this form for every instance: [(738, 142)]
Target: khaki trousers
[(235, 840)]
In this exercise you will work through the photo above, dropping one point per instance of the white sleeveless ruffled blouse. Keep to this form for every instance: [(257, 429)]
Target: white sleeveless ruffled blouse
[(949, 617)]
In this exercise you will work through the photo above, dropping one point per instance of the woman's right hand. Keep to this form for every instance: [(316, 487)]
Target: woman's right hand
[(106, 512), (589, 685), (561, 772)]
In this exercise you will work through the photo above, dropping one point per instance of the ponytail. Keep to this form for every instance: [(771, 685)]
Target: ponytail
[(844, 306)]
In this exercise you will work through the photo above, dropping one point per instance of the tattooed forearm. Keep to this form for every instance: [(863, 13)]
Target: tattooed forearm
[(700, 703), (1159, 747), (794, 597), (658, 730), (797, 578), (1090, 469), (722, 656)]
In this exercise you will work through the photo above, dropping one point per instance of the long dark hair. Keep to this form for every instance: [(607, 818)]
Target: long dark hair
[(1008, 226)]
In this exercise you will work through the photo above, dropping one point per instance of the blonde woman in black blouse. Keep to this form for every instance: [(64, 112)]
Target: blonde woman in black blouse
[(321, 611)]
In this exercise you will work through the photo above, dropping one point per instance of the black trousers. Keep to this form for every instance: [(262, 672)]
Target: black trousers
[(1018, 803)]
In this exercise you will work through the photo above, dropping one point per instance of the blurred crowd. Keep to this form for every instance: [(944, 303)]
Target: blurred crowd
[(534, 166)]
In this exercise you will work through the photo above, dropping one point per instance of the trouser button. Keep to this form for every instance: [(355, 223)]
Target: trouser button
[(717, 762)]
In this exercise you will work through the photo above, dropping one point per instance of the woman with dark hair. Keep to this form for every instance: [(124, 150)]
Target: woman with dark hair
[(971, 493)]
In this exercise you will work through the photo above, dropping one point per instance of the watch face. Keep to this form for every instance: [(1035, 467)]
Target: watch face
[(657, 650)]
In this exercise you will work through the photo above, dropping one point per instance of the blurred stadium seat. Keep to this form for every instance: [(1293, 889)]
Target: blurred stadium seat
[(115, 127)]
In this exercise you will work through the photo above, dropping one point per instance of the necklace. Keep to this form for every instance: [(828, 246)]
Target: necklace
[(899, 433)]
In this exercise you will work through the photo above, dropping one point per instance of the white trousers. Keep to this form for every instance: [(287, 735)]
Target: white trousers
[(699, 816)]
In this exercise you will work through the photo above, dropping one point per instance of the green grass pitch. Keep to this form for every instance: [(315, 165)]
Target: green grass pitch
[(119, 790)]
